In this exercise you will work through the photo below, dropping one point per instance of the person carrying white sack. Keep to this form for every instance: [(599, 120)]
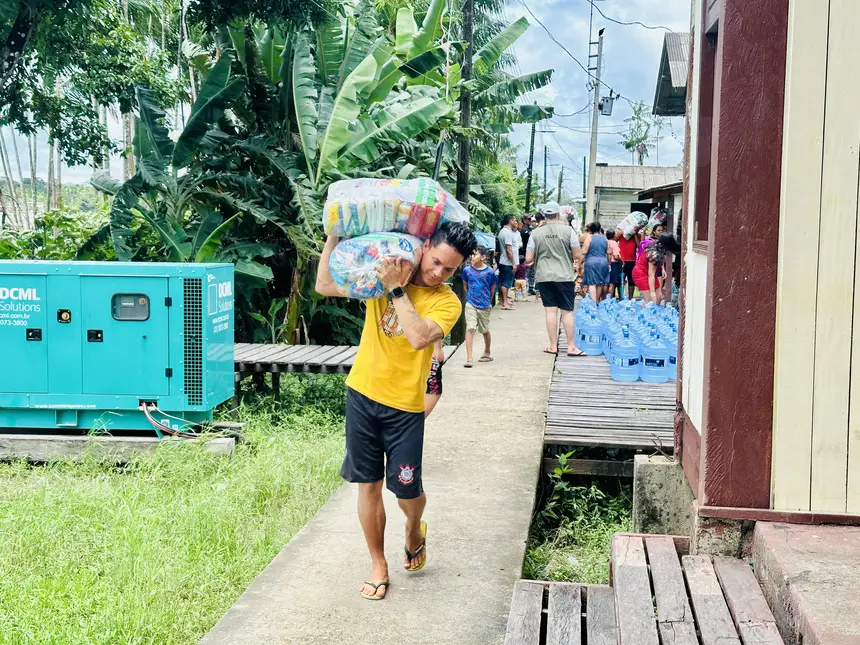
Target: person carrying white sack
[(386, 386)]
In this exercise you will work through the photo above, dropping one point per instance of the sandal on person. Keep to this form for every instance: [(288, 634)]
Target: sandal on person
[(421, 548), (467, 364), (549, 351), (581, 353), (376, 586), (485, 359)]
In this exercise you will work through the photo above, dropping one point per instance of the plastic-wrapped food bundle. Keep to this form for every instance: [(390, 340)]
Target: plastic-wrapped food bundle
[(486, 240), (658, 218), (632, 224), (353, 262), (414, 206)]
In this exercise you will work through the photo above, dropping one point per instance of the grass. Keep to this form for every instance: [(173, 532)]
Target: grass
[(156, 551), (571, 536)]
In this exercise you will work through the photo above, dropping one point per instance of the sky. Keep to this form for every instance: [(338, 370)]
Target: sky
[(631, 61)]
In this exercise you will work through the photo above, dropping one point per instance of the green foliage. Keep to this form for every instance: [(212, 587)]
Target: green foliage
[(638, 140), (97, 552), (59, 235), (571, 534)]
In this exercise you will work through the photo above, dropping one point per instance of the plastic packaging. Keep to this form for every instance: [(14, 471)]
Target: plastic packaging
[(353, 262), (415, 206), (486, 240), (632, 224)]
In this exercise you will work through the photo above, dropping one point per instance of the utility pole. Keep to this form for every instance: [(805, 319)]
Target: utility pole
[(458, 334), (545, 191), (584, 177), (530, 170), (558, 190), (592, 162)]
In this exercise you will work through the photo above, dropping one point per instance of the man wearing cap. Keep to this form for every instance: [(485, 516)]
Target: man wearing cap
[(554, 248)]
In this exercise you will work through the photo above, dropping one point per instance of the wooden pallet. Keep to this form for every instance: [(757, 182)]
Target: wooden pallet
[(587, 408), (561, 613), (275, 359), (660, 595)]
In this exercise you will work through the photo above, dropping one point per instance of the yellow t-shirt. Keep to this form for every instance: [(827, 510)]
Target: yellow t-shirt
[(387, 370)]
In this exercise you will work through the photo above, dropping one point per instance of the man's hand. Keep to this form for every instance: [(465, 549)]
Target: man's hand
[(394, 272)]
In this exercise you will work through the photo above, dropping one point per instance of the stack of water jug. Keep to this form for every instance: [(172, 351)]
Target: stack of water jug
[(640, 343)]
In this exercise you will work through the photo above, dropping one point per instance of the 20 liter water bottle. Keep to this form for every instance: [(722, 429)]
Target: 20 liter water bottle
[(590, 336), (625, 362), (655, 360)]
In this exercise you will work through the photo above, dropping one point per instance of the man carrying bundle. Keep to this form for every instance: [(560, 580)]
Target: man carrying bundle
[(385, 388)]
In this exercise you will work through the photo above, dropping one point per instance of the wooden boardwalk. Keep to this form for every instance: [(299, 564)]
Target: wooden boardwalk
[(587, 408), (659, 594)]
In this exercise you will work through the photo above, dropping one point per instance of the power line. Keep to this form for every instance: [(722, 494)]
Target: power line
[(631, 23)]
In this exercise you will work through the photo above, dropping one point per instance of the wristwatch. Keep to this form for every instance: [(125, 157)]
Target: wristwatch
[(397, 292)]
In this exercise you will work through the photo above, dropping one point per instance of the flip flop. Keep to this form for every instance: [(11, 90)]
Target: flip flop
[(376, 586), (467, 364), (581, 353), (421, 547), (546, 351), (485, 359)]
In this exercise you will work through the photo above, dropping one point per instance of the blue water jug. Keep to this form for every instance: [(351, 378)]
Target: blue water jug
[(655, 360), (590, 336), (625, 362)]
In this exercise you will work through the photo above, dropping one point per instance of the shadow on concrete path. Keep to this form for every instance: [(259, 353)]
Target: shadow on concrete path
[(481, 463)]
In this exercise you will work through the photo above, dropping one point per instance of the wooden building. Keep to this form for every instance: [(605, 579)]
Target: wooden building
[(768, 422), (618, 188)]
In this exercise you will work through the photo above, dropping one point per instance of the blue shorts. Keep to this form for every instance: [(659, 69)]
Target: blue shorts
[(506, 276)]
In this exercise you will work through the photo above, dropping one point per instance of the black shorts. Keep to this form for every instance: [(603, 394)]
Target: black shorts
[(434, 381), (615, 273), (627, 269), (557, 294), (383, 442)]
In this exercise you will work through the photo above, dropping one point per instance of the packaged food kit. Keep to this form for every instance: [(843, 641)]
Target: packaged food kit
[(414, 206), (486, 240), (354, 261), (632, 224)]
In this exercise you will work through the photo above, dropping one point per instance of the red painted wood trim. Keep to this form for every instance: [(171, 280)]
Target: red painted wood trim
[(770, 515), (689, 450), (742, 261)]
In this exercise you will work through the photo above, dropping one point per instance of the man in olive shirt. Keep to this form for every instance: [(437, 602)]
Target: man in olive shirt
[(554, 247)]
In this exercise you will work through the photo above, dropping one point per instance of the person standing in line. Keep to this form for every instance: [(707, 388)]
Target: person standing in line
[(554, 248), (627, 249), (509, 240), (480, 282), (595, 274), (385, 389), (615, 265), (540, 220)]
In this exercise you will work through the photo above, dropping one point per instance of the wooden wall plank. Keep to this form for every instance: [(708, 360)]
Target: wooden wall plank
[(634, 606), (834, 309), (712, 613), (852, 504), (524, 619), (600, 616), (799, 219), (564, 615)]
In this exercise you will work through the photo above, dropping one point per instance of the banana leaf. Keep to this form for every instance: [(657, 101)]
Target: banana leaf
[(389, 74), (150, 167), (237, 38), (405, 31), (209, 220), (260, 89), (329, 50), (305, 99), (253, 273), (215, 96), (103, 182), (430, 30), (152, 119), (396, 122), (360, 42), (489, 54), (510, 89), (345, 112), (271, 48), (210, 247)]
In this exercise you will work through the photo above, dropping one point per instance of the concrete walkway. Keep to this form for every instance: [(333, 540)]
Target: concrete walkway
[(481, 463)]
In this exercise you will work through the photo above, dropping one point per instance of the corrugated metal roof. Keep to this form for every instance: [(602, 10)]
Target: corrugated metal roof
[(678, 49), (637, 177)]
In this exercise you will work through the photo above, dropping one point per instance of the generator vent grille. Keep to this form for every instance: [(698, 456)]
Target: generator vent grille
[(193, 319)]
